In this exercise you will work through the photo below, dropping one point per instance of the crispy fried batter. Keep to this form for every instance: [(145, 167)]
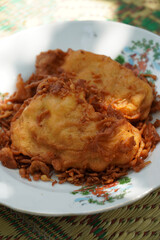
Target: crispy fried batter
[(7, 158), (65, 118), (122, 88), (61, 127)]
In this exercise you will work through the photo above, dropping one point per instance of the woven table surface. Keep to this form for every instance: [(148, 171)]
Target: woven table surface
[(140, 220)]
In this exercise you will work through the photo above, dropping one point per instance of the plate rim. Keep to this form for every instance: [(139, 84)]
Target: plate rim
[(105, 209)]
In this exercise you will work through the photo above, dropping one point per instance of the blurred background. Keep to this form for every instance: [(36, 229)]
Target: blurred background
[(16, 15)]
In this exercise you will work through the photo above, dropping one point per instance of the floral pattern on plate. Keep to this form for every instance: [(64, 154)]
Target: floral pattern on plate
[(144, 54), (102, 194)]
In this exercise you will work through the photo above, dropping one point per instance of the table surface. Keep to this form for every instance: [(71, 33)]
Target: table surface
[(140, 220)]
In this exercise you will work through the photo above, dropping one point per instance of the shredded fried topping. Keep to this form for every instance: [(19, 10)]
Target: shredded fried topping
[(41, 84)]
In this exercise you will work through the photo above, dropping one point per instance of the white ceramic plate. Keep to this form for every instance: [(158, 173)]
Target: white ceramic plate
[(17, 55)]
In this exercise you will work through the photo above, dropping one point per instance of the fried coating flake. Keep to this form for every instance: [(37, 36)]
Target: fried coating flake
[(123, 90), (64, 130)]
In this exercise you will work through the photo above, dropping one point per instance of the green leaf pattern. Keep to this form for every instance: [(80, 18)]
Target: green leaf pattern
[(100, 195)]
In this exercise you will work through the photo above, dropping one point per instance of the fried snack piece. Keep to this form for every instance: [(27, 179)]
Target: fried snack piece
[(121, 87), (65, 131)]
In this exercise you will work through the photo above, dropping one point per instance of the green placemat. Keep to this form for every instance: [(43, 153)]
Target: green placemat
[(140, 220)]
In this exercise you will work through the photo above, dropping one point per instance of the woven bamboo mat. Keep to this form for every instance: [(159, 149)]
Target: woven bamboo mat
[(140, 220)]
